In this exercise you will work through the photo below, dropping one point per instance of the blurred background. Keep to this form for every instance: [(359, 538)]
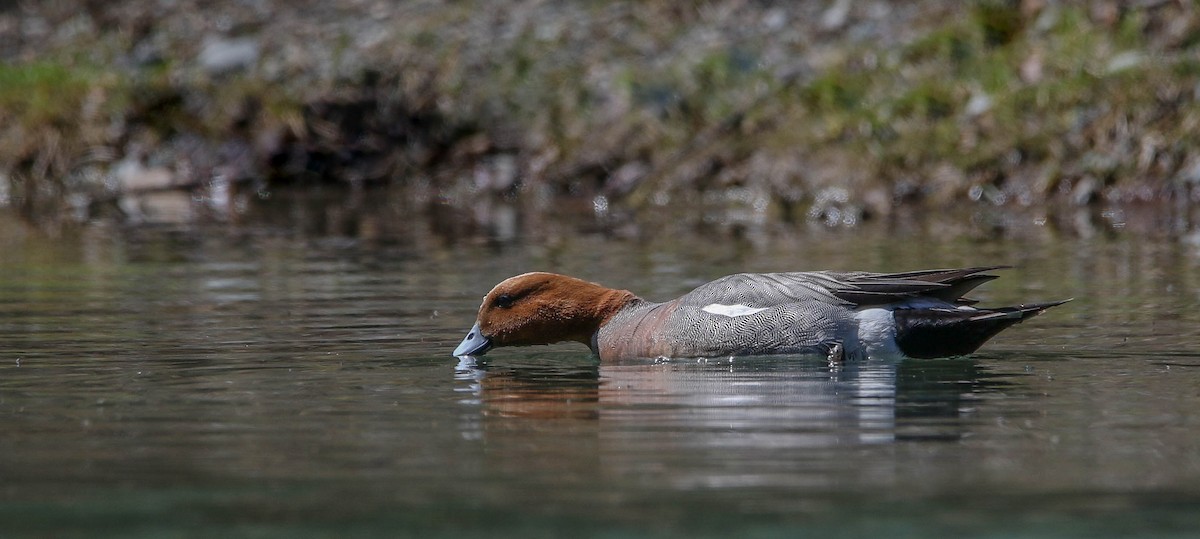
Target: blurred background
[(501, 117), (239, 240)]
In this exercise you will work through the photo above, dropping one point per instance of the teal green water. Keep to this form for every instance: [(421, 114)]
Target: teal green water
[(259, 381)]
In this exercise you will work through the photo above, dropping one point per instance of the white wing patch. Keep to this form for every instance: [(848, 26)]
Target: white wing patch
[(732, 311)]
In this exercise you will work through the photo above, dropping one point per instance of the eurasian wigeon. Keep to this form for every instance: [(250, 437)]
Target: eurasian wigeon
[(920, 314)]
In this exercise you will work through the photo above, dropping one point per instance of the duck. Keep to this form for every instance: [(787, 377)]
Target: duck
[(859, 314)]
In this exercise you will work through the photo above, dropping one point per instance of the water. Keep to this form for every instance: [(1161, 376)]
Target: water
[(262, 380)]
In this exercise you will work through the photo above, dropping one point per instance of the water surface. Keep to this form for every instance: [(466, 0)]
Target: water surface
[(260, 380)]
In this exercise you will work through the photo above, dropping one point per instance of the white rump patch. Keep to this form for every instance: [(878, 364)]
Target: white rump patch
[(732, 310), (877, 332)]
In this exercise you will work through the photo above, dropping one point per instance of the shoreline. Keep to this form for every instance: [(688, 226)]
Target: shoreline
[(833, 113)]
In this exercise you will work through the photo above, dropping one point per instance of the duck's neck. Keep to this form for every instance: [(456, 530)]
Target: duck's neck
[(588, 306)]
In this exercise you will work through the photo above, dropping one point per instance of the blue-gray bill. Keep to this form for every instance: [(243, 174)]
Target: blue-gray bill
[(474, 344)]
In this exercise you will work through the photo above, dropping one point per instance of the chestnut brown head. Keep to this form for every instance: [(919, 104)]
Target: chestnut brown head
[(540, 308)]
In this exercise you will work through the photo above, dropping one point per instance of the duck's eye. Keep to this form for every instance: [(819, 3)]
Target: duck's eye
[(504, 301)]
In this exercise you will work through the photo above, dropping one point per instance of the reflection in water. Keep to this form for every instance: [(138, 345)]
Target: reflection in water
[(546, 392), (867, 396), (297, 373), (932, 396), (756, 421)]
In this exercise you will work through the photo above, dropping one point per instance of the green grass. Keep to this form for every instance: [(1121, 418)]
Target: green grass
[(46, 92), (701, 102)]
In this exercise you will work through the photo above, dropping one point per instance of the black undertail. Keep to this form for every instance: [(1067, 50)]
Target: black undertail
[(933, 333)]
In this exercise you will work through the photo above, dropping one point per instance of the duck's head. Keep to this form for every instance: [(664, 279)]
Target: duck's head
[(540, 308)]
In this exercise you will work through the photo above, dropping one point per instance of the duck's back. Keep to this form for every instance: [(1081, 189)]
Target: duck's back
[(759, 290), (781, 313)]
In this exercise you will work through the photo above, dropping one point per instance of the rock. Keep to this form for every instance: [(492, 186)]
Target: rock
[(133, 177), (978, 104), (1085, 190), (222, 55), (626, 177), (1032, 67), (836, 15), (1123, 61)]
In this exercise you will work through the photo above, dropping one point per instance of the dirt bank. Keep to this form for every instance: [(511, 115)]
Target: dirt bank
[(832, 112)]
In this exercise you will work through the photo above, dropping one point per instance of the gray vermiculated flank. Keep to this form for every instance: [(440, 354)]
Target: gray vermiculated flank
[(803, 312)]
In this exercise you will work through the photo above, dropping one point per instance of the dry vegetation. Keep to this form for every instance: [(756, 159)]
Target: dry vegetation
[(831, 111)]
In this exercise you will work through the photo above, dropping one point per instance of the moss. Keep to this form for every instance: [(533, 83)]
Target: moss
[(1130, 30), (929, 100), (999, 20), (700, 97), (954, 44), (46, 93), (837, 91)]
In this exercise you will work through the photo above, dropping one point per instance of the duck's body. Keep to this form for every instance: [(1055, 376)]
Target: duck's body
[(860, 314)]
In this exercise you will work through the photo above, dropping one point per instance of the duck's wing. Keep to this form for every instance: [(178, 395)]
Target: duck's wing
[(850, 289), (949, 285)]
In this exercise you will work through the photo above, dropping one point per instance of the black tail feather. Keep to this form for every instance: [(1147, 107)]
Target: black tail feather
[(933, 333)]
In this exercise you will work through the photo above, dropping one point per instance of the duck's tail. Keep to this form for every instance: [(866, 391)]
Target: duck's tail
[(933, 333)]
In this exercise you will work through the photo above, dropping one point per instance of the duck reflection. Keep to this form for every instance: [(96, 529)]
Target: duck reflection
[(792, 401), (535, 391)]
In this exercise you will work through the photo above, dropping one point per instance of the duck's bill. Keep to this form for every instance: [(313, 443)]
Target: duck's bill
[(475, 344)]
